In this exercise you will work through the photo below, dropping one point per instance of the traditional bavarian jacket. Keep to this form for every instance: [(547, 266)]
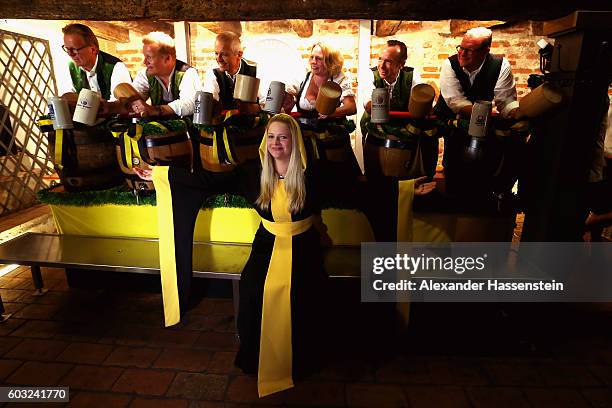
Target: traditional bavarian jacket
[(179, 95), (493, 80), (106, 74), (221, 84)]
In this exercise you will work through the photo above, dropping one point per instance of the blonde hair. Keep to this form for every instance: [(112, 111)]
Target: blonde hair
[(332, 57), (295, 185), (481, 33), (164, 42)]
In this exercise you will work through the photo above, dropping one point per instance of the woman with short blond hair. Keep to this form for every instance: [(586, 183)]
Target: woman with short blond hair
[(326, 64)]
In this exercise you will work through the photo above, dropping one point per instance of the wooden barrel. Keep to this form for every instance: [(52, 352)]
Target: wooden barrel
[(87, 160), (390, 156), (138, 146), (481, 166), (332, 143), (410, 153), (222, 147)]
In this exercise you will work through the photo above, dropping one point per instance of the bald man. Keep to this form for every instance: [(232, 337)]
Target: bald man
[(475, 74)]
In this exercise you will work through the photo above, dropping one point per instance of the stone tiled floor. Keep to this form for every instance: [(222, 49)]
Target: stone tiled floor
[(109, 347)]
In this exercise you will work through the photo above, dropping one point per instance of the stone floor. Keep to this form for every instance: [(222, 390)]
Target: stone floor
[(109, 347)]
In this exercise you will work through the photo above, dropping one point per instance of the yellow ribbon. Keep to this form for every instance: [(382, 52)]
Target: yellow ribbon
[(45, 122), (215, 154), (311, 137), (520, 126), (230, 113), (275, 345), (131, 145), (159, 126), (405, 198), (227, 147), (59, 142), (413, 129), (502, 133), (431, 132), (167, 259)]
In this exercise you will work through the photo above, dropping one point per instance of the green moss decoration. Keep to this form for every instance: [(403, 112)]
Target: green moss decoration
[(152, 128), (123, 196), (115, 195), (238, 123)]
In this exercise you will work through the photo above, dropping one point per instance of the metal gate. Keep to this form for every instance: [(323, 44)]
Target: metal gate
[(26, 81)]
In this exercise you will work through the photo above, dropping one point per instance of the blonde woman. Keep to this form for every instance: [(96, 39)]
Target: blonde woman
[(283, 284), (325, 65), (283, 280)]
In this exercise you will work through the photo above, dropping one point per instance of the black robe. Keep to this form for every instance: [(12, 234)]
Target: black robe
[(309, 282)]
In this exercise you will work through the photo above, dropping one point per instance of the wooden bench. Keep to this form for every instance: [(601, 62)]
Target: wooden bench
[(139, 255)]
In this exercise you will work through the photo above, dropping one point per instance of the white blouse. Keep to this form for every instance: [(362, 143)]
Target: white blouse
[(341, 79)]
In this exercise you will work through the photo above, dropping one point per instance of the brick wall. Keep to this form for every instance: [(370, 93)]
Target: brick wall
[(131, 53), (342, 34), (428, 42), (432, 42)]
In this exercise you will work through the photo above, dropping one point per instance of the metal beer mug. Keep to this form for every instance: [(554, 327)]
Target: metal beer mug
[(380, 106), (479, 120), (274, 100), (60, 114), (202, 112)]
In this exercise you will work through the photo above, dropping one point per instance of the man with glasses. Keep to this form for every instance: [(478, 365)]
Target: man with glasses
[(474, 74), (470, 75), (91, 68), (170, 83), (220, 81)]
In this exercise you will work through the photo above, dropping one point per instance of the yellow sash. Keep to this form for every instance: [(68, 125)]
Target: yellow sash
[(404, 234), (167, 260), (59, 143), (404, 210), (226, 145), (275, 346), (130, 145)]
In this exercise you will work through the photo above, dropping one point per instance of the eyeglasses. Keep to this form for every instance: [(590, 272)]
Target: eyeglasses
[(467, 50), (71, 51)]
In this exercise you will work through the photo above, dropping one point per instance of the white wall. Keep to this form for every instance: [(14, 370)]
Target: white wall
[(50, 30)]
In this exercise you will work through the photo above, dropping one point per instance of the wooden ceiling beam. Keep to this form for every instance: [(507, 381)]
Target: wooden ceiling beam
[(303, 28), (386, 28), (108, 31), (221, 26), (458, 27), (147, 26), (248, 10)]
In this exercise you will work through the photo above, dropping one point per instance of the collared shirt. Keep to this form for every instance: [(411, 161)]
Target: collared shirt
[(183, 103), (211, 85), (120, 75), (416, 79), (504, 92)]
